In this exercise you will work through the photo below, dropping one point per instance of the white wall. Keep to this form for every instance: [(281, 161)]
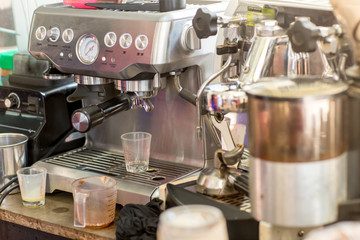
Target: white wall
[(5, 4)]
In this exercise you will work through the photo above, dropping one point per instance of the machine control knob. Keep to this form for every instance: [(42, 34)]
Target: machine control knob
[(303, 35), (12, 101), (54, 34), (68, 35), (205, 23), (189, 41), (40, 33), (125, 40), (141, 42), (110, 39)]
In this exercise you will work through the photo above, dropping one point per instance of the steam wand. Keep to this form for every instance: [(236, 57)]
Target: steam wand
[(200, 97)]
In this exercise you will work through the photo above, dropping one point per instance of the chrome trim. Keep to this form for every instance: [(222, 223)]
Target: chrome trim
[(90, 80)]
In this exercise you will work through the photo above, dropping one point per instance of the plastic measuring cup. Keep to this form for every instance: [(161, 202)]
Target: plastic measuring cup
[(136, 147), (94, 201)]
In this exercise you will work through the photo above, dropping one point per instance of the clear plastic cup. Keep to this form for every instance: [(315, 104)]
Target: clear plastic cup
[(136, 146), (192, 222), (94, 201), (32, 181)]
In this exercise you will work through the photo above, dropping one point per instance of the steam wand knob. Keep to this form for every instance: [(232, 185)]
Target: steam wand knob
[(303, 35), (205, 23)]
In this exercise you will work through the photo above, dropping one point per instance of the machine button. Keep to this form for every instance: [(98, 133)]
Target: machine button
[(68, 35), (141, 42), (125, 40), (54, 34), (40, 33), (12, 101), (110, 39)]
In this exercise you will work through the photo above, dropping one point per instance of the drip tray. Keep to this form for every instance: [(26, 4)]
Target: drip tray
[(239, 200), (63, 169)]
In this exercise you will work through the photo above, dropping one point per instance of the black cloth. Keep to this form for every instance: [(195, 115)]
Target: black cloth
[(139, 222)]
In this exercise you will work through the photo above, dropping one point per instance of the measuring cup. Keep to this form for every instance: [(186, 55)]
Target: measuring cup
[(94, 201)]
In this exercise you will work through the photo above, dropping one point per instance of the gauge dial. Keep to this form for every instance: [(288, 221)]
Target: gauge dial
[(87, 49)]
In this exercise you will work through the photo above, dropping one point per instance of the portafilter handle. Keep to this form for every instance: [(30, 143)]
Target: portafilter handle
[(88, 117)]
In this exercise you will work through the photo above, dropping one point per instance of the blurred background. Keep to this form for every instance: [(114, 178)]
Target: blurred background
[(6, 22), (15, 20)]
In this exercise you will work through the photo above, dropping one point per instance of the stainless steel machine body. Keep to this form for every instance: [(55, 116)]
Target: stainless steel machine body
[(129, 52), (284, 12), (271, 55)]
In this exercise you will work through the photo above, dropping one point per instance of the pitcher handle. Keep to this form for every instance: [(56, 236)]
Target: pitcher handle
[(80, 209)]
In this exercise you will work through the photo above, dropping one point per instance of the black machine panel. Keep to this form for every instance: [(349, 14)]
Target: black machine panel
[(40, 112)]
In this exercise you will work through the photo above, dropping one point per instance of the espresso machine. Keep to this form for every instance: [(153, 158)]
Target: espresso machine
[(258, 41), (139, 68)]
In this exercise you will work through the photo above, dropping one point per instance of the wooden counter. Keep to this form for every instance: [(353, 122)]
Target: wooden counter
[(55, 217)]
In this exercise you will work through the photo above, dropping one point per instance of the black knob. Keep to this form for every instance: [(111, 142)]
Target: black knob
[(303, 35), (205, 23)]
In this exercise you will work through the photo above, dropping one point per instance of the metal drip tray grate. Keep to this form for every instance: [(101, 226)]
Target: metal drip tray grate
[(239, 200), (111, 163)]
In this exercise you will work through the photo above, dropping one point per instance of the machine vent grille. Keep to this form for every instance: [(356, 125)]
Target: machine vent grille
[(110, 163)]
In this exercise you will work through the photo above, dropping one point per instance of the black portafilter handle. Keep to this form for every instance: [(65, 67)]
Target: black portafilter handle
[(205, 23), (86, 118), (303, 35)]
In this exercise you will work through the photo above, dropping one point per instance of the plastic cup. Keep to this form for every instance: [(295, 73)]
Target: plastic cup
[(136, 146), (192, 222), (32, 181)]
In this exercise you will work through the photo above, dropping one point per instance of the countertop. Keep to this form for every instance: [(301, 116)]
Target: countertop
[(55, 217)]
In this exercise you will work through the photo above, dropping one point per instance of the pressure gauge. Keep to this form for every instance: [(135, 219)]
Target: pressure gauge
[(87, 49)]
